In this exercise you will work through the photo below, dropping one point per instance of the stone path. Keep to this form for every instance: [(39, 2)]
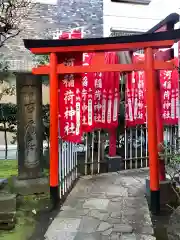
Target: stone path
[(105, 207)]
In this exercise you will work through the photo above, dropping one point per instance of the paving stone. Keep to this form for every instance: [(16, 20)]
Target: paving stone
[(129, 211), (107, 232), (142, 219), (98, 209), (94, 203), (88, 225), (115, 236), (72, 213), (80, 191), (114, 190), (134, 201), (114, 220), (143, 229), (67, 224), (122, 228), (64, 208), (147, 230), (117, 199), (87, 236), (128, 237), (64, 228), (74, 203), (104, 226), (116, 214), (115, 206), (60, 235), (98, 195), (103, 216), (145, 237)]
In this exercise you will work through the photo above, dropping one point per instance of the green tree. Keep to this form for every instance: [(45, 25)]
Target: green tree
[(8, 121), (12, 15), (46, 122)]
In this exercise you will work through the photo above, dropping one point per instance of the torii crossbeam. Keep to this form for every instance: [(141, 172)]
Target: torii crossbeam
[(148, 42)]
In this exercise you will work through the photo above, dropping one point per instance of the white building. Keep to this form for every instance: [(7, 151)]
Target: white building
[(136, 15)]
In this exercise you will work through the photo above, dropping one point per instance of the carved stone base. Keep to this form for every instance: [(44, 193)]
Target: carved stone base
[(167, 194), (7, 202), (81, 162), (114, 164), (31, 186)]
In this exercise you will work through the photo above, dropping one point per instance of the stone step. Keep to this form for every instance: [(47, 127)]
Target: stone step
[(3, 182), (7, 220), (7, 225), (7, 211), (31, 186), (7, 217), (7, 202)]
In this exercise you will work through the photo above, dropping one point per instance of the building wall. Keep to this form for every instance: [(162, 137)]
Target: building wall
[(162, 8), (82, 13), (44, 19), (136, 17)]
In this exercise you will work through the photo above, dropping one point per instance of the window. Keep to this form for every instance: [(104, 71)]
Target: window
[(144, 2), (121, 33)]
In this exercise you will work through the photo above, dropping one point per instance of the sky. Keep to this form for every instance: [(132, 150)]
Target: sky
[(46, 1)]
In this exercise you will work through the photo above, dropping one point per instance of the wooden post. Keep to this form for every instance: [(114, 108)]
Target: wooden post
[(54, 145), (152, 131), (112, 142)]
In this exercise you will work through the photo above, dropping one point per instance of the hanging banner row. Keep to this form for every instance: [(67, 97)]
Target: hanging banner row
[(87, 101), (90, 101), (135, 96)]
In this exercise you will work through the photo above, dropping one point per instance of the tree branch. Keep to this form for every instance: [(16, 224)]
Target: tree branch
[(12, 13)]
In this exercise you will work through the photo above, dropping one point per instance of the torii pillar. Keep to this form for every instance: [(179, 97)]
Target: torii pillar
[(152, 131)]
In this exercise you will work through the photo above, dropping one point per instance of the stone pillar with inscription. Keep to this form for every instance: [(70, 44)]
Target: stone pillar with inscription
[(29, 134)]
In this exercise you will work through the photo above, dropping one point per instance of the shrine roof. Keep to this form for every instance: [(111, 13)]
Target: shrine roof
[(70, 43), (170, 20)]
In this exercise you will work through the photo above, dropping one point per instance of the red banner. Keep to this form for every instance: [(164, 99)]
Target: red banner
[(112, 80), (129, 99), (140, 99), (99, 88), (87, 96), (106, 95), (70, 87), (169, 96), (136, 100)]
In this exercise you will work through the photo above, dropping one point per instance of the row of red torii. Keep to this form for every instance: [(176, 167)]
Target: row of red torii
[(68, 48)]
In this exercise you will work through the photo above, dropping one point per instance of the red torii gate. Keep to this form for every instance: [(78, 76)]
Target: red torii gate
[(148, 42)]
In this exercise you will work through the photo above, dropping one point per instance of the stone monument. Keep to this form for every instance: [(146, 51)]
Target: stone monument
[(30, 135)]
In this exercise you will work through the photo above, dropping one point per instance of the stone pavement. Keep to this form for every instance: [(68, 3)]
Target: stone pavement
[(105, 207)]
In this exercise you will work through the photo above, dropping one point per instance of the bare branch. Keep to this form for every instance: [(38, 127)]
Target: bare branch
[(12, 14)]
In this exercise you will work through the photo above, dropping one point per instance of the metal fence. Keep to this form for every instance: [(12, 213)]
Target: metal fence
[(68, 172), (90, 157), (11, 154), (132, 147), (136, 145)]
